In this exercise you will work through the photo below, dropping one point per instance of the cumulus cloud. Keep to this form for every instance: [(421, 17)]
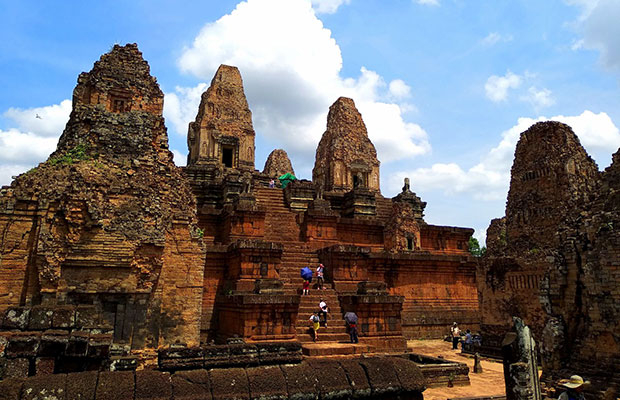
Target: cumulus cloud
[(497, 87), (180, 106), (44, 121), (328, 6), (600, 29), (489, 179), (399, 89), (33, 137), (539, 98), (291, 68)]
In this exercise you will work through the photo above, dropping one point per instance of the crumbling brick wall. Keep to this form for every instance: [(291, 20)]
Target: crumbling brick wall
[(108, 219)]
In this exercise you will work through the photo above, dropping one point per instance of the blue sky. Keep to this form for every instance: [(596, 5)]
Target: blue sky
[(444, 86)]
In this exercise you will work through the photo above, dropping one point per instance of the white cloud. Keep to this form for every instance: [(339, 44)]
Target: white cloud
[(291, 68), (44, 121), (21, 151), (600, 29), (577, 45), (328, 6), (180, 158), (181, 106), (497, 87), (539, 98), (428, 2), (494, 37), (33, 138), (399, 89), (489, 179)]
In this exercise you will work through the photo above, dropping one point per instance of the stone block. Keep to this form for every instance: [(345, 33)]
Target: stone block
[(11, 388), (4, 341), (267, 383), (16, 368), (409, 375), (332, 380), (82, 385), (172, 359), (300, 381), (99, 345), (243, 355), (191, 385), (44, 365), (40, 318), (382, 376), (117, 385), (77, 345), (360, 387), (216, 356), (87, 317), (23, 344), (53, 343), (16, 318), (45, 387), (229, 384), (153, 385), (64, 317), (279, 353), (123, 363)]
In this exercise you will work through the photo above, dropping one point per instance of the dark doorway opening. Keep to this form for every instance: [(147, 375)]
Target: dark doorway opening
[(409, 243), (356, 181), (227, 157)]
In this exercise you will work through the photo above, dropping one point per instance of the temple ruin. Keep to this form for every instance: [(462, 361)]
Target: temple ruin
[(114, 259), (552, 261), (108, 246)]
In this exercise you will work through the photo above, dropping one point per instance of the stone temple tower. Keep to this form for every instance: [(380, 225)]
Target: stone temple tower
[(222, 134), (345, 158)]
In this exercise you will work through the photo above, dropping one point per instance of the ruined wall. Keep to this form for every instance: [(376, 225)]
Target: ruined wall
[(345, 157), (552, 176), (222, 132), (108, 219), (553, 260), (581, 292), (278, 164)]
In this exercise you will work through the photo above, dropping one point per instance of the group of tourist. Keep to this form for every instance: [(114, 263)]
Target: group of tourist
[(307, 277), (323, 310), (458, 337), (350, 319)]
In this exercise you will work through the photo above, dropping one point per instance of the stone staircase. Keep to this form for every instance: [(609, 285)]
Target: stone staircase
[(280, 222), (335, 331), (281, 226)]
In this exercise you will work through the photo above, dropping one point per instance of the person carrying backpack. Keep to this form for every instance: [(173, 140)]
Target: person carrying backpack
[(316, 324)]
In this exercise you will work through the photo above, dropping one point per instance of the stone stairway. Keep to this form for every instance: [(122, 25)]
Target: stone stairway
[(335, 331), (281, 226), (296, 256), (280, 222)]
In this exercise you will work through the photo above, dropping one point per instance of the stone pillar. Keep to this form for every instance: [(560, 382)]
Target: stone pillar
[(520, 364)]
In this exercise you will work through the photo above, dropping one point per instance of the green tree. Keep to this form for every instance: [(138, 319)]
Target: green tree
[(475, 249)]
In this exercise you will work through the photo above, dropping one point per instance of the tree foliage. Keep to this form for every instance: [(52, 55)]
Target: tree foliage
[(475, 249)]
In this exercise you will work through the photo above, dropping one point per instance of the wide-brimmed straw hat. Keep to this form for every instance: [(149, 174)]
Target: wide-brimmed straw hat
[(574, 382)]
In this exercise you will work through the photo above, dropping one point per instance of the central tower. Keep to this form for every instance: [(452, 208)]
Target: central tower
[(222, 134)]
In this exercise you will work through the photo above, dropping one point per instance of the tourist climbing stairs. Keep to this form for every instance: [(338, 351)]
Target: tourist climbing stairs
[(281, 226)]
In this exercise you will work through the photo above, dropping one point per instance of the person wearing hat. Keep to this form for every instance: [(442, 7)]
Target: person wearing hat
[(574, 388)]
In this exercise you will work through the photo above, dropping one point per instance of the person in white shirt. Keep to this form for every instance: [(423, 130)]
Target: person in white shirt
[(456, 336), (323, 310)]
